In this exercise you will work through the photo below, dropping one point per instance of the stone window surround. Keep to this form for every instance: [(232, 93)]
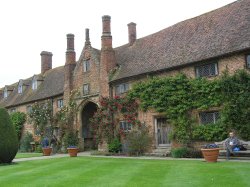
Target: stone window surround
[(214, 115), (86, 89), (121, 88), (126, 126), (215, 63), (59, 103), (86, 65), (248, 61)]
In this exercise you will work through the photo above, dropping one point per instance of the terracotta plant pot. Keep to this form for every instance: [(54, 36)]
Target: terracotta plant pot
[(210, 155), (72, 151), (47, 151)]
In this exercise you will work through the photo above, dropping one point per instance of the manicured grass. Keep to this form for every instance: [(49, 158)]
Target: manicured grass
[(89, 171), (28, 155)]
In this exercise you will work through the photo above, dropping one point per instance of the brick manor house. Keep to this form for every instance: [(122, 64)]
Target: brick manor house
[(203, 46)]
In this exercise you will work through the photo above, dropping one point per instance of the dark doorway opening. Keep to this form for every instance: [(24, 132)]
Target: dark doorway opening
[(87, 133)]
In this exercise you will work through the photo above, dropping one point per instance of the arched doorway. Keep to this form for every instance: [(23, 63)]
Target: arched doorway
[(88, 111)]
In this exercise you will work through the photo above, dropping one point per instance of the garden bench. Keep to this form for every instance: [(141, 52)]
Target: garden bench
[(245, 153)]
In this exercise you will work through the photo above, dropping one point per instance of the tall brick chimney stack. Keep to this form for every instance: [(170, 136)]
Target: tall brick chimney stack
[(69, 67), (131, 33), (46, 61), (87, 40), (108, 61), (70, 53), (106, 32)]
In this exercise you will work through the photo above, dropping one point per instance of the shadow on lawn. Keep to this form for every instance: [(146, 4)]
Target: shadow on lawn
[(8, 164)]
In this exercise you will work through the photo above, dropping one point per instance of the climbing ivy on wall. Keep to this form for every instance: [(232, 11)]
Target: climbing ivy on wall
[(179, 96), (236, 101)]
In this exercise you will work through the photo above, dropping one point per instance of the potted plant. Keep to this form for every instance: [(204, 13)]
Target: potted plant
[(71, 141), (45, 147), (210, 152)]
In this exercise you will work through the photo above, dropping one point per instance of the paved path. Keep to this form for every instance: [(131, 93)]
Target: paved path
[(88, 154)]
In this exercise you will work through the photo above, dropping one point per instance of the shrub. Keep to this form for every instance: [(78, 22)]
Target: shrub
[(18, 119), (8, 138), (210, 132), (25, 142), (194, 153), (70, 139), (115, 146), (38, 148), (138, 140), (180, 152)]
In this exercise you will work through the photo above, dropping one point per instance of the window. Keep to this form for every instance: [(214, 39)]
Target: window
[(86, 66), (248, 61), (29, 109), (209, 117), (5, 93), (20, 89), (207, 70), (12, 110), (85, 89), (122, 88), (34, 84), (59, 103), (124, 125)]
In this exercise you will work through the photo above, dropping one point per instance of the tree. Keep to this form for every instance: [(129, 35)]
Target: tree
[(8, 138)]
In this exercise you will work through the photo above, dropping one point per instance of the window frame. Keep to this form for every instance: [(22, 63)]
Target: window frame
[(88, 90), (86, 65), (5, 93), (122, 88), (34, 84), (247, 57), (20, 89), (215, 119), (29, 109), (125, 126), (197, 74), (60, 103), (12, 110)]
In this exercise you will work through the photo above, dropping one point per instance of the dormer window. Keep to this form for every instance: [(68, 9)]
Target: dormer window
[(34, 84), (248, 61), (20, 89), (86, 65), (5, 93)]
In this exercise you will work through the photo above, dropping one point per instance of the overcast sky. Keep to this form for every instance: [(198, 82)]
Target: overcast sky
[(31, 26)]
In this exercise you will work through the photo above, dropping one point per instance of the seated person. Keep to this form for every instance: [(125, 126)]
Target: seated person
[(231, 143)]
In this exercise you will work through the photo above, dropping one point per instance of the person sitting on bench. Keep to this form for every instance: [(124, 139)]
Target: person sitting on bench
[(231, 143)]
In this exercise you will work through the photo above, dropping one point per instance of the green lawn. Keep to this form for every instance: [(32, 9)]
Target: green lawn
[(28, 155), (89, 171)]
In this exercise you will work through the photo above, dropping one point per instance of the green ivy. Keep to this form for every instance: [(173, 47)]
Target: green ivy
[(236, 100), (178, 96), (18, 119)]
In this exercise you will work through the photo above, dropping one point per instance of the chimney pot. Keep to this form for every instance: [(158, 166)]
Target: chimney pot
[(46, 61), (106, 32), (70, 53), (106, 25), (131, 33), (87, 40), (70, 42)]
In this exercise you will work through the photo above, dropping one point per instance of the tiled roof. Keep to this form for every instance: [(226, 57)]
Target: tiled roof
[(220, 32), (52, 83)]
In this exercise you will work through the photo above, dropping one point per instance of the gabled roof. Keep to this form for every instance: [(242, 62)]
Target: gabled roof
[(52, 85), (216, 33)]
